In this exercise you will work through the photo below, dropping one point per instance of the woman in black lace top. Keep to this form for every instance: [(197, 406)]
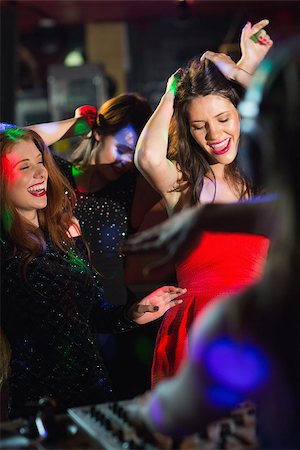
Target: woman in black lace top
[(51, 298)]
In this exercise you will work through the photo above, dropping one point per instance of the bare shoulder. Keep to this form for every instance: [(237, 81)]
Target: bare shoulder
[(74, 230)]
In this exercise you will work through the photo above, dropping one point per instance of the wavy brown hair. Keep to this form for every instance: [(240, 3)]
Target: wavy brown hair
[(5, 356), (201, 79), (116, 113), (55, 218)]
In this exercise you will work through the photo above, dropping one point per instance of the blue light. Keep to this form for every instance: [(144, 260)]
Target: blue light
[(5, 125), (127, 137), (248, 109), (236, 365), (225, 397)]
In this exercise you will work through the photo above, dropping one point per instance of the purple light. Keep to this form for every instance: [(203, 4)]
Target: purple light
[(156, 411), (224, 396), (236, 365)]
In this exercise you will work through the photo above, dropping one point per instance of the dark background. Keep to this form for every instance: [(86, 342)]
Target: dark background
[(162, 35)]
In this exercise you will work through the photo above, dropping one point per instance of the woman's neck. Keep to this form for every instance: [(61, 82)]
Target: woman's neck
[(31, 217), (218, 170)]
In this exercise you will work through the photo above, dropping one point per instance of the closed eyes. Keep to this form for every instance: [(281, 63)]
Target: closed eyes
[(28, 166)]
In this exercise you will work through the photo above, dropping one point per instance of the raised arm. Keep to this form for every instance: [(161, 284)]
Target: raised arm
[(151, 150), (78, 125), (255, 44)]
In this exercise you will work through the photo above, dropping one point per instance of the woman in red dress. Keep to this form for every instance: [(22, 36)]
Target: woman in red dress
[(198, 165)]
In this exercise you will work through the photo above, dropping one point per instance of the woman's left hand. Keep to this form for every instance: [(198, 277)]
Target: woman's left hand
[(154, 305), (254, 50)]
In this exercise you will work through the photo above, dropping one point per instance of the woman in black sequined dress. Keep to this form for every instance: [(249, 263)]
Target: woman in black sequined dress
[(51, 298), (112, 198)]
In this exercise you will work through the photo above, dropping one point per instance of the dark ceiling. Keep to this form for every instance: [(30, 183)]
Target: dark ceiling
[(47, 30), (34, 13)]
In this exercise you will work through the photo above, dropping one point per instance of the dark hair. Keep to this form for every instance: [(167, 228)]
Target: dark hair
[(201, 78), (113, 115), (55, 218)]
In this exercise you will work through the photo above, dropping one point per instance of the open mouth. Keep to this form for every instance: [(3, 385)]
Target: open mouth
[(219, 148), (37, 190)]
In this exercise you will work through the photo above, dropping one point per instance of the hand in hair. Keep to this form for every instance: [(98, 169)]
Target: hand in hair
[(225, 64), (88, 112), (173, 80)]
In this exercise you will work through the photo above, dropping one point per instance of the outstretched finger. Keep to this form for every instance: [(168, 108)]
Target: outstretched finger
[(168, 298), (173, 303), (259, 26), (258, 33), (173, 289)]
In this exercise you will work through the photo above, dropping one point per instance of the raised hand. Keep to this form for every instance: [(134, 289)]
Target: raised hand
[(89, 112), (154, 305), (172, 81), (255, 44)]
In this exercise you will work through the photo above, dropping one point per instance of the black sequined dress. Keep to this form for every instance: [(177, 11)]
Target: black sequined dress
[(104, 218), (50, 321)]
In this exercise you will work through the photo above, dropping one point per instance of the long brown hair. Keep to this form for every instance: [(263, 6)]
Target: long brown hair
[(116, 113), (201, 79), (5, 356), (55, 218)]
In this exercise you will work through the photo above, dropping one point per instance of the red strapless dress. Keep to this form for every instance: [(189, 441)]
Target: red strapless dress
[(222, 264)]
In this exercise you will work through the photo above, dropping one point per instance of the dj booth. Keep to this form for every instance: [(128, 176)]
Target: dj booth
[(108, 426)]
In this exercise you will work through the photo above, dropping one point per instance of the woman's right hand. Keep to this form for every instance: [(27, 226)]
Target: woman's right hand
[(172, 82), (223, 62)]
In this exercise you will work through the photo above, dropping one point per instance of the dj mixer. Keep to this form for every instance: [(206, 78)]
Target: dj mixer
[(111, 426)]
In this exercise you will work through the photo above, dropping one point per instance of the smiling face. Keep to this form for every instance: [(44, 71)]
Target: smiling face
[(115, 156), (26, 179), (215, 125)]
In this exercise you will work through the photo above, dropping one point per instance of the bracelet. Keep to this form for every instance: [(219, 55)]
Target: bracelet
[(251, 74), (233, 73)]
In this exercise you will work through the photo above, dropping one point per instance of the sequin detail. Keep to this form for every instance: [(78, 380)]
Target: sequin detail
[(50, 322), (104, 217)]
